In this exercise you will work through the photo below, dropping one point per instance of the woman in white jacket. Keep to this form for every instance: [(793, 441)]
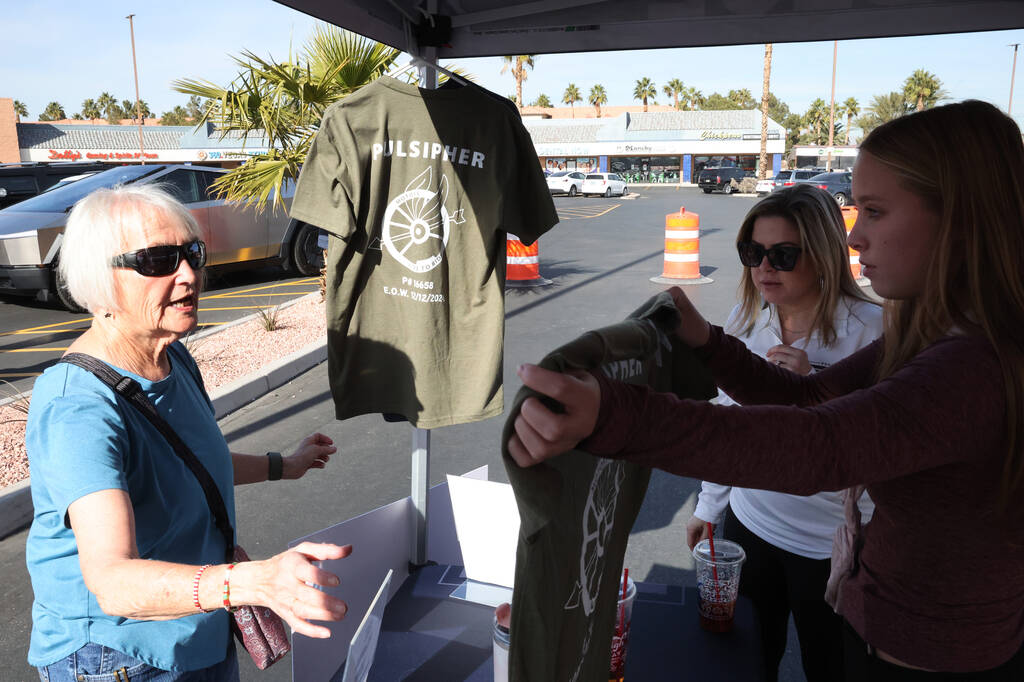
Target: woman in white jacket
[(800, 308)]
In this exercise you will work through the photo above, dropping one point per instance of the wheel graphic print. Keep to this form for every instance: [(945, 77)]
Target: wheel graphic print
[(415, 229)]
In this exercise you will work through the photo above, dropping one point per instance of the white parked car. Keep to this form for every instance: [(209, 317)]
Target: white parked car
[(566, 182), (604, 184), (764, 186)]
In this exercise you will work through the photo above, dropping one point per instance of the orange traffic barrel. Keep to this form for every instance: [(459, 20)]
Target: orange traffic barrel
[(522, 263), (682, 250), (850, 217)]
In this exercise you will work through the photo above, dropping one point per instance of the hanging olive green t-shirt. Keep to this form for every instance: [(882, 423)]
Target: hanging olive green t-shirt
[(576, 510), (418, 188)]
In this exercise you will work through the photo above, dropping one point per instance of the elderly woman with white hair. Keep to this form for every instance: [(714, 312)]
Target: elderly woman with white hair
[(126, 560)]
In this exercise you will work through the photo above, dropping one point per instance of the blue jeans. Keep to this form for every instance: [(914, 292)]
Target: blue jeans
[(96, 663)]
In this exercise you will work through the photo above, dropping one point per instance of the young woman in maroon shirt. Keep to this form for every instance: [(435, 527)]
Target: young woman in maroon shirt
[(930, 417)]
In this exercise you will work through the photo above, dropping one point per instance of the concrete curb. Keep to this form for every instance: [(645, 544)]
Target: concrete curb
[(16, 500)]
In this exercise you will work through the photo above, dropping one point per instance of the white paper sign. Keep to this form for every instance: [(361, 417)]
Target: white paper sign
[(487, 523), (364, 643)]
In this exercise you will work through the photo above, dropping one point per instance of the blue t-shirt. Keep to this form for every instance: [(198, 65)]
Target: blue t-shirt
[(81, 438)]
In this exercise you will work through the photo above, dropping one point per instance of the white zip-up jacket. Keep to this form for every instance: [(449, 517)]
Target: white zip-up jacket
[(797, 524)]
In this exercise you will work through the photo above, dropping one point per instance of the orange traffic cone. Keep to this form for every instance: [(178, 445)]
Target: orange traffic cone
[(682, 250), (850, 217), (522, 263)]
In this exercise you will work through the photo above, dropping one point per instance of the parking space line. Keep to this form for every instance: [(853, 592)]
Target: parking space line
[(43, 330), (19, 376), (49, 328), (35, 350), (258, 295), (587, 216), (311, 280)]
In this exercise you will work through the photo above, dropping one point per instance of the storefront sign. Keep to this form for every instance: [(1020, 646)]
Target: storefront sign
[(720, 135), (75, 155), (124, 155)]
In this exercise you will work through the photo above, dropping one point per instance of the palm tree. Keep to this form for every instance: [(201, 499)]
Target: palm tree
[(90, 110), (109, 107), (571, 96), (743, 99), (673, 89), (283, 102), (598, 97), (20, 110), (884, 108), (53, 112), (645, 90), (175, 117), (923, 89), (762, 159), (542, 101), (518, 63), (693, 98), (850, 108), (816, 117)]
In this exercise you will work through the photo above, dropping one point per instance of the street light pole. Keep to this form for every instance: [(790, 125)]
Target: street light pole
[(138, 102), (832, 107), (1013, 75)]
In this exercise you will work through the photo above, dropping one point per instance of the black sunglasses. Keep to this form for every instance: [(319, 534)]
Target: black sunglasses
[(781, 257), (158, 261)]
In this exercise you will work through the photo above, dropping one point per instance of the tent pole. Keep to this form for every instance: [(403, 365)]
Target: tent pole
[(420, 478)]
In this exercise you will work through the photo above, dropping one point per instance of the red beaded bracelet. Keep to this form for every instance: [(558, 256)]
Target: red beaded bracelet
[(227, 588), (195, 587)]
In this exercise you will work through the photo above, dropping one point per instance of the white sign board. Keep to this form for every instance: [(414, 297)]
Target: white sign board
[(363, 648)]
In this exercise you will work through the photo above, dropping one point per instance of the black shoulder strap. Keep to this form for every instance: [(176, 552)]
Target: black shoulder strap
[(129, 389)]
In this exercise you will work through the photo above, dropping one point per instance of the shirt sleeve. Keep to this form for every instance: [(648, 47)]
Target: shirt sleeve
[(76, 448), (528, 209), (712, 501), (795, 442), (323, 195)]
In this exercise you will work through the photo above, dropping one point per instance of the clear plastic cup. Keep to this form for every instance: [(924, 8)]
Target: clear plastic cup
[(718, 582), (620, 637)]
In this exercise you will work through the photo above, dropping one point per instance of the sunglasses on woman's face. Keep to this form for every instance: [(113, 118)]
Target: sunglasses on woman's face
[(780, 256), (158, 261)]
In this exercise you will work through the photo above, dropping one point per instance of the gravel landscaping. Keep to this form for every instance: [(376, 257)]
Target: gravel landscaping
[(223, 356)]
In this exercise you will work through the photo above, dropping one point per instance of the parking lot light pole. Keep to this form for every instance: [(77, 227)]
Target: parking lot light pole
[(138, 102), (832, 107), (1013, 75)]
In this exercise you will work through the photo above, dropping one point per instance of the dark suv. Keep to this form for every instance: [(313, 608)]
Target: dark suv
[(20, 181), (721, 179)]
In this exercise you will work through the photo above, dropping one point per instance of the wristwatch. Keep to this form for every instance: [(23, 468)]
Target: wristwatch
[(275, 466)]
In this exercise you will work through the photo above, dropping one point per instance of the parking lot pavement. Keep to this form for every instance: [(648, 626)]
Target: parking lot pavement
[(601, 268), (33, 335)]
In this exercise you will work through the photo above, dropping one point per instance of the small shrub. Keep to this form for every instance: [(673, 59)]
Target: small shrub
[(269, 317)]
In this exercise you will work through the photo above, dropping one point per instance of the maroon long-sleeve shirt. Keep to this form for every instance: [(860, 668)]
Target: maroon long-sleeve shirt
[(941, 578)]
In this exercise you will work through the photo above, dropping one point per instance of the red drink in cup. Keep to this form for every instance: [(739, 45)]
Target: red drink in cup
[(718, 582), (620, 638)]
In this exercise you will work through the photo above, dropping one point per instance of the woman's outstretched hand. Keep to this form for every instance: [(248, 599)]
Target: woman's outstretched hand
[(313, 453), (693, 329), (287, 583), (541, 433)]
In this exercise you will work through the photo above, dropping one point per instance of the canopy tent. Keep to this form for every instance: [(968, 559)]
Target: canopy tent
[(442, 29), (480, 28)]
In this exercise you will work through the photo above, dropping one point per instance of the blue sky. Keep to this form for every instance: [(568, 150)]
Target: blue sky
[(69, 51)]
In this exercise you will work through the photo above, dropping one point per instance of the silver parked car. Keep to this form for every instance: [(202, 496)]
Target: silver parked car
[(32, 230)]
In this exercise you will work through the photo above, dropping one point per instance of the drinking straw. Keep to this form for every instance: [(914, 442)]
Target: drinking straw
[(622, 607), (714, 568)]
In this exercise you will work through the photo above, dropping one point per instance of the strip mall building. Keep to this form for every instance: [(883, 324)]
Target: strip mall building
[(657, 146), (661, 145), (118, 144)]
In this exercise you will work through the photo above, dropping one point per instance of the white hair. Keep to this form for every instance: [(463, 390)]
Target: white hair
[(97, 231)]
